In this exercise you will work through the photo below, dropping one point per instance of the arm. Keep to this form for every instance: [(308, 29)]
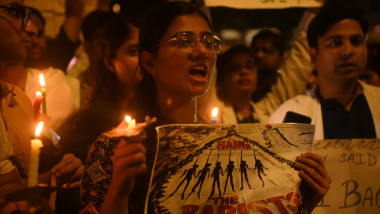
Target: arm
[(294, 72), (314, 174), (73, 19), (128, 161)]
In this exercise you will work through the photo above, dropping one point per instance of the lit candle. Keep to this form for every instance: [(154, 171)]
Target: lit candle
[(214, 115), (131, 122), (34, 157), (43, 90)]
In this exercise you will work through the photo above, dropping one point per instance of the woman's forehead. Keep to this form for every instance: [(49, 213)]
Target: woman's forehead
[(191, 22)]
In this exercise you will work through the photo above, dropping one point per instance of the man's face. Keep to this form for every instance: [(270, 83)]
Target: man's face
[(38, 49), (266, 55), (14, 41), (341, 54)]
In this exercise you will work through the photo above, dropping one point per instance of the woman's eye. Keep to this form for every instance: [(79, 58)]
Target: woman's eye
[(208, 43), (335, 43), (184, 42), (358, 40)]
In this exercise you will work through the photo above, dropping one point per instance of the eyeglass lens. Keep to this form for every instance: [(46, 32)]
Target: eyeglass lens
[(187, 42), (25, 17)]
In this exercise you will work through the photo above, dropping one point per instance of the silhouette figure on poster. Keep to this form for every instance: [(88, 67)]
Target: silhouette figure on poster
[(189, 175), (230, 168), (215, 173), (260, 167), (243, 170), (202, 176)]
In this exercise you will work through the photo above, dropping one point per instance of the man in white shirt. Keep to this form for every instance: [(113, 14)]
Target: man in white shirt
[(340, 105)]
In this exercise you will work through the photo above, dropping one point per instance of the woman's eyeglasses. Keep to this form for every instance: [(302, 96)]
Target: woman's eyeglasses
[(20, 12), (186, 42)]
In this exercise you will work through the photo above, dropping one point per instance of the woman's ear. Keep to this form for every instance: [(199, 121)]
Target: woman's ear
[(109, 64), (313, 56), (147, 61)]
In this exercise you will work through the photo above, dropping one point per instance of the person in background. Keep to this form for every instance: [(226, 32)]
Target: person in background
[(371, 74), (340, 105), (236, 82), (115, 76), (268, 48), (17, 116), (93, 27), (56, 52), (177, 53), (59, 99), (237, 63)]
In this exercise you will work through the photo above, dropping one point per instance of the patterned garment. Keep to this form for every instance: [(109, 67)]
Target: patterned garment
[(97, 176)]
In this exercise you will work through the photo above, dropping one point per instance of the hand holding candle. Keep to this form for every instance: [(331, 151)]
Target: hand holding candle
[(43, 91), (129, 128), (34, 157)]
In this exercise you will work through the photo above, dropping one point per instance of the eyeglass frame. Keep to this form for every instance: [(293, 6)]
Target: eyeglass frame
[(215, 37), (26, 13)]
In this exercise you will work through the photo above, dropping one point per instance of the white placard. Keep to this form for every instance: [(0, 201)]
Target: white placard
[(354, 166), (263, 4)]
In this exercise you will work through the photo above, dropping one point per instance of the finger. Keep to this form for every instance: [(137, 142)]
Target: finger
[(77, 175), (131, 160), (73, 184), (314, 162), (69, 168), (313, 156), (123, 150), (66, 160), (318, 189), (312, 177)]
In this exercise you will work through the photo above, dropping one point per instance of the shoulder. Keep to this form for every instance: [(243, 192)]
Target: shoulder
[(298, 104), (12, 97), (370, 89)]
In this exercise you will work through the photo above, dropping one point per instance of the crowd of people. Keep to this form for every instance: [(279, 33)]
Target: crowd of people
[(158, 67)]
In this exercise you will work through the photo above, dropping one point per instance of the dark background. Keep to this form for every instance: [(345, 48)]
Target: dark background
[(283, 19)]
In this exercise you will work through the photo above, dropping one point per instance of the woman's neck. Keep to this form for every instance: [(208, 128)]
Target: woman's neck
[(177, 109), (240, 102), (15, 74)]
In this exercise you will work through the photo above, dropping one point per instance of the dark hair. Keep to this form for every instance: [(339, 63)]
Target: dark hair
[(223, 68), (94, 21), (153, 27), (276, 38), (117, 31), (331, 13), (373, 66)]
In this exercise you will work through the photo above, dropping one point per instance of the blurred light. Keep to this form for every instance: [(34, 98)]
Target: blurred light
[(116, 8)]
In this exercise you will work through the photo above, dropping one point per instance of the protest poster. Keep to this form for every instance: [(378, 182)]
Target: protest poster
[(263, 4), (228, 168), (354, 168)]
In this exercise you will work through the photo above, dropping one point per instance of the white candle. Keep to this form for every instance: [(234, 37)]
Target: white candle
[(34, 157), (43, 90), (214, 115)]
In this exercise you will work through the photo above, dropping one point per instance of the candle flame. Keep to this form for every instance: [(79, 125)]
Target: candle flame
[(39, 129), (38, 94), (128, 118), (214, 112), (42, 80)]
